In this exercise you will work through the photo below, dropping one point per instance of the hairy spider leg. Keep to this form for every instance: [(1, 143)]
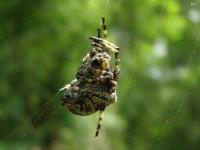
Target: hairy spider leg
[(104, 28), (101, 114), (105, 44), (117, 58), (98, 33), (117, 66)]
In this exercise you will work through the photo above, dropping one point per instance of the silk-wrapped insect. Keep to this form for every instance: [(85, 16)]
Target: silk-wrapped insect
[(95, 85)]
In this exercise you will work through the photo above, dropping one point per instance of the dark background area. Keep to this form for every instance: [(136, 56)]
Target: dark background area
[(42, 43)]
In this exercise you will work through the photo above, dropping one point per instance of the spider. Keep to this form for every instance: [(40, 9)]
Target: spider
[(94, 87)]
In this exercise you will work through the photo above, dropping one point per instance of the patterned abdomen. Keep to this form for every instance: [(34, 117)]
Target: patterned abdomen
[(87, 98)]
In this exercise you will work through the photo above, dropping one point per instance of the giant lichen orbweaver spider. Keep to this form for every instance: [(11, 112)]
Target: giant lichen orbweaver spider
[(94, 87)]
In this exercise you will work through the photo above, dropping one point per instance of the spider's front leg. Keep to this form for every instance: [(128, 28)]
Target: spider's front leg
[(117, 66), (112, 82), (104, 44)]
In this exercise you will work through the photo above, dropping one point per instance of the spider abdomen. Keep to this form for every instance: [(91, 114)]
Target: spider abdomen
[(87, 98)]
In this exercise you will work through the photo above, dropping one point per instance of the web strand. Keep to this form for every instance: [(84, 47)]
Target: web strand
[(38, 112), (179, 102)]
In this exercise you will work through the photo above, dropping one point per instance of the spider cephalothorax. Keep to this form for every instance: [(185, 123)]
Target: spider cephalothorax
[(94, 87)]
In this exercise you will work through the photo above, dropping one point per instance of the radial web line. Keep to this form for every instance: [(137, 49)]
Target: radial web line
[(179, 101), (35, 113), (38, 112)]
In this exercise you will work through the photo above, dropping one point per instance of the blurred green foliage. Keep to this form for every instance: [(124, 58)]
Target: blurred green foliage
[(42, 44)]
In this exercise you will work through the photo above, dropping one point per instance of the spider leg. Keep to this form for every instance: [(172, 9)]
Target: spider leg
[(105, 44), (96, 44), (117, 66), (64, 88), (104, 28), (98, 33), (101, 114)]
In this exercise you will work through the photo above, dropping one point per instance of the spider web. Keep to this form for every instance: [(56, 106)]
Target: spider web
[(166, 126), (181, 96), (179, 102), (35, 118)]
